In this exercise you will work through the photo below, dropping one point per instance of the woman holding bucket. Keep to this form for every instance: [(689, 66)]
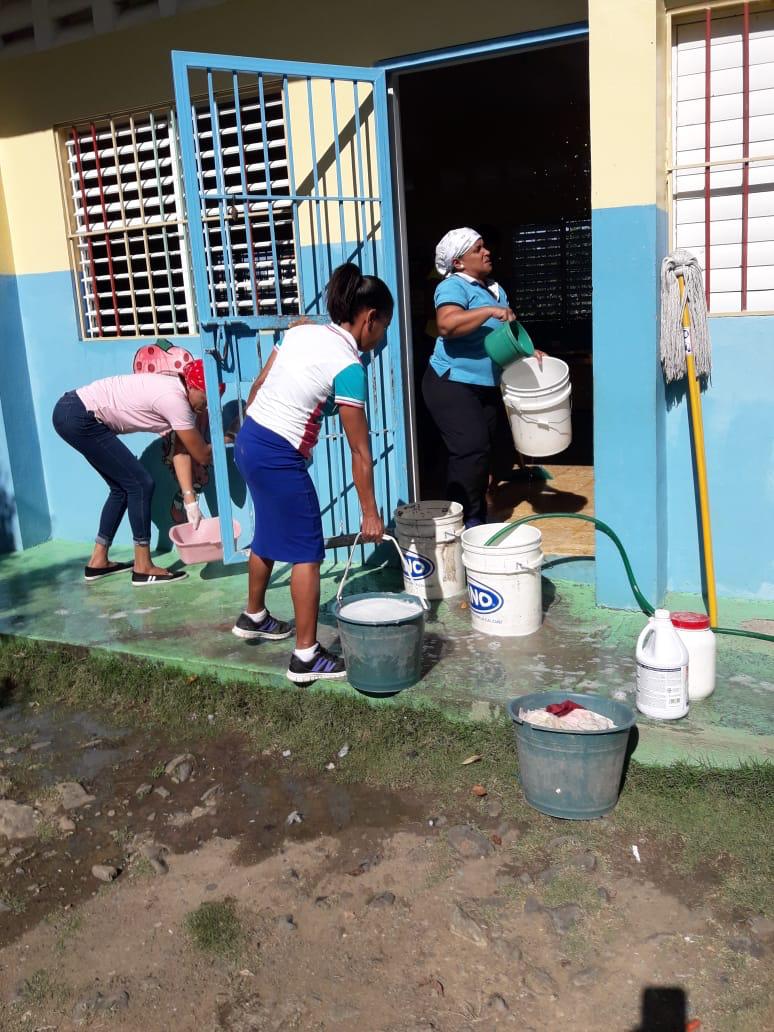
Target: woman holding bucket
[(460, 386), (315, 371)]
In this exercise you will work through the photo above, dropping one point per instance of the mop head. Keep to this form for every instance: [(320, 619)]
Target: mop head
[(683, 263)]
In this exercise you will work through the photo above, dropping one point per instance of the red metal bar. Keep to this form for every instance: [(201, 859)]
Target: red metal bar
[(707, 119), (85, 202), (745, 144), (105, 220)]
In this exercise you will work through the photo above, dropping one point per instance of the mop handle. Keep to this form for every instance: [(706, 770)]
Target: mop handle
[(694, 397), (385, 537)]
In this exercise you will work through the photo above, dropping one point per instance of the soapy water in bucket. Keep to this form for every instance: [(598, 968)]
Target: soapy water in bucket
[(378, 610)]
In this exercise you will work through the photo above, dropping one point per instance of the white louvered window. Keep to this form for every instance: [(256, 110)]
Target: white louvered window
[(128, 235), (722, 173)]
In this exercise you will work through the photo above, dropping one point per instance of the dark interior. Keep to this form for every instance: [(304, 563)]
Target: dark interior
[(502, 145)]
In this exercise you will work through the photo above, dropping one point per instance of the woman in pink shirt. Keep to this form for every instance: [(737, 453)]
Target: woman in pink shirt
[(91, 419)]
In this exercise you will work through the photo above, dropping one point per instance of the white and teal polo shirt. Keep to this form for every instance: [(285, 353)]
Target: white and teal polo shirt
[(316, 369)]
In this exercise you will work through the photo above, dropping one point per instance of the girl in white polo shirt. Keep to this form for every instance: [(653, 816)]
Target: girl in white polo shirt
[(315, 372)]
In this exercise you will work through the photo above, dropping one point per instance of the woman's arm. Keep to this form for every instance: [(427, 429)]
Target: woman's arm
[(183, 465), (454, 321), (194, 444), (356, 428)]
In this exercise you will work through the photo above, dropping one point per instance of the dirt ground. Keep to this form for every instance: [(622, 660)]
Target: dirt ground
[(341, 907)]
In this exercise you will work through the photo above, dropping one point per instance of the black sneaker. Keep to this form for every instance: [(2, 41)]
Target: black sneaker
[(144, 580), (269, 627), (323, 666), (95, 573)]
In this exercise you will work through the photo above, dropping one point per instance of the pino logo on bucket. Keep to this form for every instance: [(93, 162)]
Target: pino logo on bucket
[(483, 600), (417, 567)]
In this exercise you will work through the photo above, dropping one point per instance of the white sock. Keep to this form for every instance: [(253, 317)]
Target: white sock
[(305, 654), (257, 617)]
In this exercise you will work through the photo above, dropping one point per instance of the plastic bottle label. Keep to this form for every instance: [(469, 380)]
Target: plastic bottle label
[(658, 687)]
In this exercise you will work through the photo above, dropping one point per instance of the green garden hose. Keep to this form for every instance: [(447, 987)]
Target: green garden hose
[(643, 603)]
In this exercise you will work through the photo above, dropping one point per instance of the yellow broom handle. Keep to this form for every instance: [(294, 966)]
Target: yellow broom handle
[(694, 396)]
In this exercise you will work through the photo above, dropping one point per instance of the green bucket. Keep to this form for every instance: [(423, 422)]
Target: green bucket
[(572, 774), (509, 342)]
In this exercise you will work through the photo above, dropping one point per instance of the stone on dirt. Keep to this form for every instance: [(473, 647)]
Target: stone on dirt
[(467, 927), (105, 872), (96, 1003), (181, 767), (585, 977), (563, 918), (532, 905), (382, 899), (468, 842), (162, 792), (71, 795), (497, 1004), (143, 791), (17, 821), (66, 825), (539, 982), (5, 786), (582, 861)]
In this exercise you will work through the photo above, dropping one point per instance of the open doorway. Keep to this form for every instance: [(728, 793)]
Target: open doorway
[(502, 145)]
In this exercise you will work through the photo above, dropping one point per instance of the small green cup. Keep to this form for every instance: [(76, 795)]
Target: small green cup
[(509, 342)]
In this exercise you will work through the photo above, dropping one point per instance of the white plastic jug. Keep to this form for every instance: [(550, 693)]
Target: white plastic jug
[(662, 670)]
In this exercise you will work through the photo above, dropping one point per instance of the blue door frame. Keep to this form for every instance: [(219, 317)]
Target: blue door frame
[(247, 293)]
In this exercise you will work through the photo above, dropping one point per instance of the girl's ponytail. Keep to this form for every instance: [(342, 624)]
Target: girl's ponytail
[(349, 292)]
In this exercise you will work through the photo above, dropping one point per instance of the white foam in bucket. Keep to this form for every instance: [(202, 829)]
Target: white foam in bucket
[(379, 610), (538, 405), (504, 589), (429, 535)]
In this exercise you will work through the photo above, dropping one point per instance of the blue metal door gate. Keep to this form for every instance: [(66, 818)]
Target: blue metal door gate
[(286, 173)]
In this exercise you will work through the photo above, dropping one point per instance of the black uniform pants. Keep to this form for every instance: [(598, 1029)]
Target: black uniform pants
[(473, 425)]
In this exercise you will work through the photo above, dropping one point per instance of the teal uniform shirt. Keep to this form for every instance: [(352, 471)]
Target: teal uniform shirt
[(464, 358)]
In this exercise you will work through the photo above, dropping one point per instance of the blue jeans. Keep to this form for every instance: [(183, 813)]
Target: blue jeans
[(131, 485)]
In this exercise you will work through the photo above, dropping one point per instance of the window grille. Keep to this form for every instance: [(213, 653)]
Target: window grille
[(128, 233), (722, 173), (552, 269)]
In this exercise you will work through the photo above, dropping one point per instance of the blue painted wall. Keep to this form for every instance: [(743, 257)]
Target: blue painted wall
[(24, 505), (58, 362), (738, 410), (629, 410)]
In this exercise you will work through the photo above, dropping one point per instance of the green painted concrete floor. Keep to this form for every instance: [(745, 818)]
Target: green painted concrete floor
[(467, 675)]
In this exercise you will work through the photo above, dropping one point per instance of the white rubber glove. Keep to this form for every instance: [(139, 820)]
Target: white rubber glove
[(193, 513)]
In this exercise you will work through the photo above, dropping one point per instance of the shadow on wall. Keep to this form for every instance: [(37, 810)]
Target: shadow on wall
[(7, 522), (165, 496)]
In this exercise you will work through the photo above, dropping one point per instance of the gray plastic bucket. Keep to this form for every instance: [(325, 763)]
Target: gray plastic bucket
[(572, 774), (383, 654), (382, 657)]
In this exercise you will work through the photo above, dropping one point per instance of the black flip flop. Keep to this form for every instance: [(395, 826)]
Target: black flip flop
[(145, 580), (95, 573)]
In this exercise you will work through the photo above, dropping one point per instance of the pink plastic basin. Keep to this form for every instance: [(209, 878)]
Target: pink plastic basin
[(203, 545)]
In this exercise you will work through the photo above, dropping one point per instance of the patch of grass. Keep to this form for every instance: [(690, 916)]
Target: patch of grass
[(41, 988), (572, 887), (695, 817), (66, 925), (214, 927), (157, 772), (16, 903)]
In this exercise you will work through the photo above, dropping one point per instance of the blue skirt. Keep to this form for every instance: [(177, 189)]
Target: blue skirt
[(288, 524)]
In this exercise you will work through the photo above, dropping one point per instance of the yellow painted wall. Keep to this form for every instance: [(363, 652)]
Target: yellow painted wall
[(627, 61), (131, 70)]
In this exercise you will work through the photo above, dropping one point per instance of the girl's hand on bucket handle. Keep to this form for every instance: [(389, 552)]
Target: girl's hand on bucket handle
[(372, 527)]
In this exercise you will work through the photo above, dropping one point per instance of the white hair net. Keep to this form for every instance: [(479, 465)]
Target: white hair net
[(453, 245)]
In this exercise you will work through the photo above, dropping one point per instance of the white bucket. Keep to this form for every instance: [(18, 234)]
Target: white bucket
[(504, 588), (538, 405), (429, 536)]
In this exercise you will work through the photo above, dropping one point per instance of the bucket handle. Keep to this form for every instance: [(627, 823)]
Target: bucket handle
[(529, 567), (385, 537)]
